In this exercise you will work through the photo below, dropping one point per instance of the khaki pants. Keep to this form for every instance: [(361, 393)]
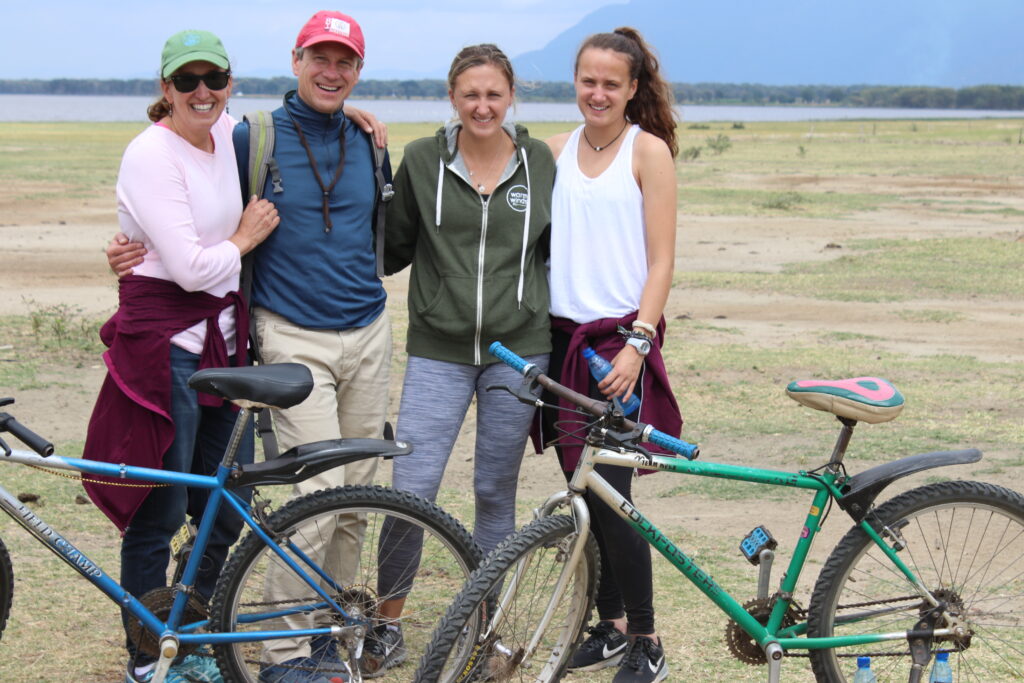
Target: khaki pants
[(351, 371)]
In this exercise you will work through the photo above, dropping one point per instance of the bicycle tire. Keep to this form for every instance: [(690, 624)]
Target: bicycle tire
[(6, 586), (965, 542), (449, 557), (461, 651)]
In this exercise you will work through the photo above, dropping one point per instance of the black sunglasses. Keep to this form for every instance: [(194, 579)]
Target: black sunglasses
[(214, 80)]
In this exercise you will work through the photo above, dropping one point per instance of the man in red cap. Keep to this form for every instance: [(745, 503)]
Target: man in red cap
[(318, 301)]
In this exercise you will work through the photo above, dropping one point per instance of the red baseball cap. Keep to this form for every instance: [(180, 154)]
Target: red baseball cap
[(334, 27)]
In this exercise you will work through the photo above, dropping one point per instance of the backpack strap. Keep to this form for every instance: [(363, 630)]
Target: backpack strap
[(259, 164), (385, 192), (261, 153)]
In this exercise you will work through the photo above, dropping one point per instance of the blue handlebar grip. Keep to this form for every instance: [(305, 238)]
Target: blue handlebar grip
[(687, 450), (508, 357)]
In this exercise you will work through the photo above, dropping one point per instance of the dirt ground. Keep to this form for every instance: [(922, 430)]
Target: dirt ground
[(53, 254)]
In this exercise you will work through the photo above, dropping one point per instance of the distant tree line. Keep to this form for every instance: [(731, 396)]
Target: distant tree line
[(910, 97)]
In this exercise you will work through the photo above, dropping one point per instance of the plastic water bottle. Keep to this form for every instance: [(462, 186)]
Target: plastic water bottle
[(599, 367), (941, 671), (864, 673)]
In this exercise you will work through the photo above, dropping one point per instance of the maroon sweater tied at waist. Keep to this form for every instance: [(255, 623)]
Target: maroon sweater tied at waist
[(658, 405), (131, 421)]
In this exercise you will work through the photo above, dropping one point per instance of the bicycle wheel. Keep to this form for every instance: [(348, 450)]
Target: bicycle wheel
[(515, 585), (6, 586), (965, 542), (351, 525)]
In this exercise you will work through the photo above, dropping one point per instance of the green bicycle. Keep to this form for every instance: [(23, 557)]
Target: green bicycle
[(939, 568)]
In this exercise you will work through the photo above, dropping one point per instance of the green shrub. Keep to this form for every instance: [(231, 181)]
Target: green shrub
[(719, 144)]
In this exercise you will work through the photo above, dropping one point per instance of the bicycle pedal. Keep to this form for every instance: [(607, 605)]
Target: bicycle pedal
[(757, 540), (182, 539)]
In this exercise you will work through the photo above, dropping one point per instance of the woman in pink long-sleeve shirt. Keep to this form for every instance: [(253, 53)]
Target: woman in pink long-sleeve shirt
[(177, 193)]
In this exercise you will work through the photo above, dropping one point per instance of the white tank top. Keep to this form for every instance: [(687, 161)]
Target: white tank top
[(598, 264)]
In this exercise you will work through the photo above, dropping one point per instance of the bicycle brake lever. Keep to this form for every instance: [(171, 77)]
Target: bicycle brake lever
[(523, 393), (630, 440), (6, 449)]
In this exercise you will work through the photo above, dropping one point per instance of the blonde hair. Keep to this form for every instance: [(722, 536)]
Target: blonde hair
[(478, 55)]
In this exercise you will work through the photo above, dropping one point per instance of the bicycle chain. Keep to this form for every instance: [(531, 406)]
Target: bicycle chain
[(746, 650)]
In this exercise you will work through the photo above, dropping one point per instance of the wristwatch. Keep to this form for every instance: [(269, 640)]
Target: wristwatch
[(642, 346)]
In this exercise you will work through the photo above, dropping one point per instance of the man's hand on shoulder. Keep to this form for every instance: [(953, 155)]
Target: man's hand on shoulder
[(368, 123)]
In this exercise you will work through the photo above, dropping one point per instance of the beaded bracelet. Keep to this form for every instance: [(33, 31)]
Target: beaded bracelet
[(646, 327)]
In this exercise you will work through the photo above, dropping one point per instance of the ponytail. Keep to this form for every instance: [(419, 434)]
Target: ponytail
[(651, 106), (159, 109)]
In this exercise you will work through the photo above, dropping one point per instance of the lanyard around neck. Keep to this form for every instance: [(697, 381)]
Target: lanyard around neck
[(326, 190)]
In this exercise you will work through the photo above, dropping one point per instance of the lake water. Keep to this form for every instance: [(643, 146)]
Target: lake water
[(123, 108)]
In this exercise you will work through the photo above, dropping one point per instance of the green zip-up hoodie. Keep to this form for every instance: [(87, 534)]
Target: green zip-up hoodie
[(478, 265)]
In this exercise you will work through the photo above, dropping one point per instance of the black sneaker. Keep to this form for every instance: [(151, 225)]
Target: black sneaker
[(383, 648), (644, 663), (605, 646)]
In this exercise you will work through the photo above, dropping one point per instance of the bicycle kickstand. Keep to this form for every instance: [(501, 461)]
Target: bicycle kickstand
[(920, 641)]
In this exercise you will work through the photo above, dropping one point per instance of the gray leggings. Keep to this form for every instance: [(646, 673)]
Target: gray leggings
[(435, 398)]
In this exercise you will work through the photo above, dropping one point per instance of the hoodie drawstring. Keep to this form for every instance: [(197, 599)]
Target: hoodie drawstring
[(526, 232), (440, 186)]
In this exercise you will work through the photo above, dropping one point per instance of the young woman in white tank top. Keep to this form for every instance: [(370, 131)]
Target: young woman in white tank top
[(613, 223)]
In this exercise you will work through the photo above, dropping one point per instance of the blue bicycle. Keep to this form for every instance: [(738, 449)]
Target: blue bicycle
[(272, 591)]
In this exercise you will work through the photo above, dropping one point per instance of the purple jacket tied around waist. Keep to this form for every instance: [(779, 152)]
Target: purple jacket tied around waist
[(658, 406), (131, 421)]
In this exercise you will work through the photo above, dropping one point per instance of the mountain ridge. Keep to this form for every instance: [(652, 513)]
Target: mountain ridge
[(946, 43)]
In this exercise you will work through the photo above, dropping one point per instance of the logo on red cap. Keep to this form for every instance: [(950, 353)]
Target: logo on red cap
[(339, 26)]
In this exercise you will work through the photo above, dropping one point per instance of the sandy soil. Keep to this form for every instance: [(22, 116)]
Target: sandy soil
[(53, 254)]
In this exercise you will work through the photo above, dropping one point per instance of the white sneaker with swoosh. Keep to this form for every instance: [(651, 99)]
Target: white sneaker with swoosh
[(605, 646)]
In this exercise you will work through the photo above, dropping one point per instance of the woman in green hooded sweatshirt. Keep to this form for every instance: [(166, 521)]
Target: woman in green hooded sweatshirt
[(471, 213)]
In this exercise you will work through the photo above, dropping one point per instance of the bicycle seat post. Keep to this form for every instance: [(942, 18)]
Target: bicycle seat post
[(842, 441), (241, 424)]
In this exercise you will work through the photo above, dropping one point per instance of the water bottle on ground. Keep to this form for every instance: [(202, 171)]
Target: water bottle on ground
[(864, 673), (599, 367), (941, 671)]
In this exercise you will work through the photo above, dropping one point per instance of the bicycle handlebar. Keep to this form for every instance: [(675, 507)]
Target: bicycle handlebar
[(598, 408), (25, 435)]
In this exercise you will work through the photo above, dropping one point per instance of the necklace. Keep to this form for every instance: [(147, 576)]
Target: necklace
[(598, 148), (173, 127), (481, 183)]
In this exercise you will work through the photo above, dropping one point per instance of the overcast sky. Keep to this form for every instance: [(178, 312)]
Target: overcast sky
[(123, 39)]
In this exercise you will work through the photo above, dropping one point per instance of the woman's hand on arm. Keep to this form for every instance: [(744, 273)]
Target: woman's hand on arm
[(123, 254), (368, 123), (259, 219)]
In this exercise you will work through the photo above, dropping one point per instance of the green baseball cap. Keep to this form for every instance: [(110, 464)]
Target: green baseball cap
[(192, 46)]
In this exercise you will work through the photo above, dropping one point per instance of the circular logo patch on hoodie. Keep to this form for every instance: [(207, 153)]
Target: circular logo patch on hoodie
[(518, 197)]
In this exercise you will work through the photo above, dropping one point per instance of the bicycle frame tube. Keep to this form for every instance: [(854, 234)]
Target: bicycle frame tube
[(582, 517), (92, 572), (586, 478)]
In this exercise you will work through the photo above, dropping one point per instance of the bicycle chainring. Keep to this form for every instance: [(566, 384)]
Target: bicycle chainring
[(159, 601), (742, 646)]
